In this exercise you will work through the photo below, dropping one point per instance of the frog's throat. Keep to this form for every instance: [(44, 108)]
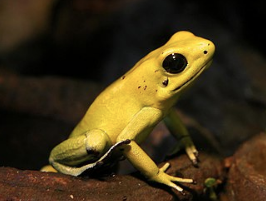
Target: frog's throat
[(194, 76)]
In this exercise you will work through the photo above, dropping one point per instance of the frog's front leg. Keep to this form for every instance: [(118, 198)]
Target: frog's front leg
[(136, 130), (88, 147), (177, 128), (149, 169)]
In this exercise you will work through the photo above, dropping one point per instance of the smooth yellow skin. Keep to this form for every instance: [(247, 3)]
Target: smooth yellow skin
[(124, 114)]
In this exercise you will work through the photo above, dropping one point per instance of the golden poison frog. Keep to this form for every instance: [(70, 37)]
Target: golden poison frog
[(126, 112)]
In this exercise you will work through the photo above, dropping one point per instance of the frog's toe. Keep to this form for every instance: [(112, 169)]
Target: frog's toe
[(48, 168), (192, 154)]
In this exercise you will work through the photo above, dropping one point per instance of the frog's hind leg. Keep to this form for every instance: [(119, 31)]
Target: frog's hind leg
[(94, 146), (71, 153), (76, 171)]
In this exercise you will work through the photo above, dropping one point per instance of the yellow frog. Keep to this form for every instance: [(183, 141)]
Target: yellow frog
[(124, 114)]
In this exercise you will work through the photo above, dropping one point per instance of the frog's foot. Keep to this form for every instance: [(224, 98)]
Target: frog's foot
[(48, 168), (168, 180), (186, 143), (108, 154)]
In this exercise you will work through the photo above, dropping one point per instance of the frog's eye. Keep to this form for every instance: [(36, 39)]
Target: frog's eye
[(174, 63)]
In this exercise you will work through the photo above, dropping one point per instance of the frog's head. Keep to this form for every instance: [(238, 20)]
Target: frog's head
[(180, 61), (160, 77)]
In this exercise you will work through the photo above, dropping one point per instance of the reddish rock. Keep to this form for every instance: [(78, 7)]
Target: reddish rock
[(247, 175), (34, 185)]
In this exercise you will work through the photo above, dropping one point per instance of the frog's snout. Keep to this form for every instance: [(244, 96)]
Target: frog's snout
[(208, 48)]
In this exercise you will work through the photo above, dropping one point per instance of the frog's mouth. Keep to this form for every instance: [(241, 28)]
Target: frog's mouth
[(194, 76)]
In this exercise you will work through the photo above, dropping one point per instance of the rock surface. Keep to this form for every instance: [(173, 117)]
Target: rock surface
[(247, 175), (34, 185)]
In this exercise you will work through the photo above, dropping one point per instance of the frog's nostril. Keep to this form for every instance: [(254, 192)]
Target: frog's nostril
[(205, 52)]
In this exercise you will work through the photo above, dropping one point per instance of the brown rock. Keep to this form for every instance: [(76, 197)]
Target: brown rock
[(34, 185), (247, 175)]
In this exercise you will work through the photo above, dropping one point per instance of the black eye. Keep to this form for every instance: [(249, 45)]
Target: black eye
[(175, 63)]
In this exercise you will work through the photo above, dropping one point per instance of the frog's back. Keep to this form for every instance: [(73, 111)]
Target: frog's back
[(111, 111)]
